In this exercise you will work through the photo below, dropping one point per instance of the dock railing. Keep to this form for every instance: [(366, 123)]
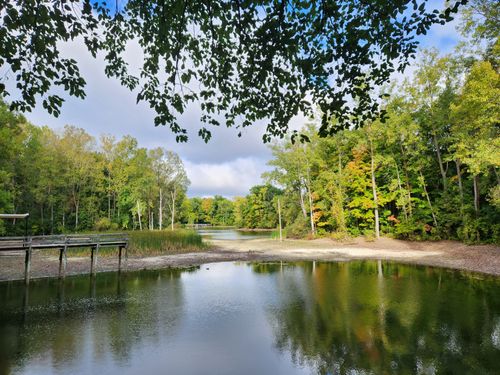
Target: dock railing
[(63, 242)]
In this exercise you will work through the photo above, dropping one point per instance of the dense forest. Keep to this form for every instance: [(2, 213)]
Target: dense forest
[(429, 172), (69, 182), (429, 169)]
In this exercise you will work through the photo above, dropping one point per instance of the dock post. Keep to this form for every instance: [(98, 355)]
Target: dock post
[(120, 249), (126, 256), (27, 264), (62, 262), (93, 259)]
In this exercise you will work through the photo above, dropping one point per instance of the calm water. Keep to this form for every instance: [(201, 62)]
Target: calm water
[(232, 234), (302, 318)]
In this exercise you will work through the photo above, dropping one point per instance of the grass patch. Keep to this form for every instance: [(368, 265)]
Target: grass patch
[(146, 242), (165, 242), (275, 234)]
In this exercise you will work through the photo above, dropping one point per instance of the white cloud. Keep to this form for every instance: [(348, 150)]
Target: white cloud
[(227, 165), (231, 178)]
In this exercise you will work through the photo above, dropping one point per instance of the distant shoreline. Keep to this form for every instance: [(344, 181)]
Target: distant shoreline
[(447, 254), (254, 229)]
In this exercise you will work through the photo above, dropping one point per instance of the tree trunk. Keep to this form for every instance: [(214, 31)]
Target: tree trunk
[(77, 206), (160, 211), (139, 215), (407, 178), (476, 194), (151, 218), (374, 189), (340, 197), (279, 220), (440, 160), (311, 213), (428, 199), (302, 204), (41, 213), (400, 192), (172, 210), (109, 199), (51, 217), (460, 186)]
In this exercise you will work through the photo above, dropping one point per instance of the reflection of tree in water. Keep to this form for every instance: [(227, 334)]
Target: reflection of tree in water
[(339, 317), (116, 315), (273, 267)]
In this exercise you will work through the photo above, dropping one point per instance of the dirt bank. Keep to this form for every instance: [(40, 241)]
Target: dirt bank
[(483, 258)]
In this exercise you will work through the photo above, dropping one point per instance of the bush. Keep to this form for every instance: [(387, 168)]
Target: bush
[(415, 231), (103, 224), (369, 235), (339, 236), (299, 228)]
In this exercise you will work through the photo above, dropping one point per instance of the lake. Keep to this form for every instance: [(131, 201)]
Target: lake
[(263, 318), (232, 234)]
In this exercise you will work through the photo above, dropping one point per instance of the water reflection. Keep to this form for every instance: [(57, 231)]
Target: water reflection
[(382, 318), (233, 234), (60, 323), (275, 318)]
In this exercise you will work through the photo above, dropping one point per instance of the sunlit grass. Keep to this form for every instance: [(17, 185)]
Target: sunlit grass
[(165, 242)]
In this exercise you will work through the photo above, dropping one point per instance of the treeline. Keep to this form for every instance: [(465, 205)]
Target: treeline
[(69, 182), (256, 210), (429, 172)]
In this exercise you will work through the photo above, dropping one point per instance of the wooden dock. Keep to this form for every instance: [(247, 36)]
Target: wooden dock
[(63, 243)]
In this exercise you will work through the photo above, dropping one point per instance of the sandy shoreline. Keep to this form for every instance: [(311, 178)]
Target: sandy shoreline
[(449, 254)]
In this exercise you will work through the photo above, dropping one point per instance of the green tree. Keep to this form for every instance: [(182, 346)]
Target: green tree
[(476, 116), (251, 60)]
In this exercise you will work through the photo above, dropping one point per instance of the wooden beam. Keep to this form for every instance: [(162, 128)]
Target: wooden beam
[(27, 264), (93, 259), (120, 248), (63, 242), (63, 259), (126, 256)]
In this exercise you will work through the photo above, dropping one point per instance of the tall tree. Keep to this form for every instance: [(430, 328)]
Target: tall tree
[(177, 183), (82, 168), (476, 117)]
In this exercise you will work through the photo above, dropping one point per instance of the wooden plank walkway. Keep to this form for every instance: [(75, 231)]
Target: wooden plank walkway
[(63, 243)]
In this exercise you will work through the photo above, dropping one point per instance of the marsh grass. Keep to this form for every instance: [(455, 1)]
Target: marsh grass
[(275, 234), (165, 242), (144, 243)]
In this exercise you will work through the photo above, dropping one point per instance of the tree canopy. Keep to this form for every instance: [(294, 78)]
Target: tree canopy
[(242, 61)]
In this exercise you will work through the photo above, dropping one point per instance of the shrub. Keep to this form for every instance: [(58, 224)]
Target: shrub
[(299, 228), (103, 224)]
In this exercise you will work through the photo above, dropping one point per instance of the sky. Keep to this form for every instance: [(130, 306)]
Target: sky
[(227, 165)]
